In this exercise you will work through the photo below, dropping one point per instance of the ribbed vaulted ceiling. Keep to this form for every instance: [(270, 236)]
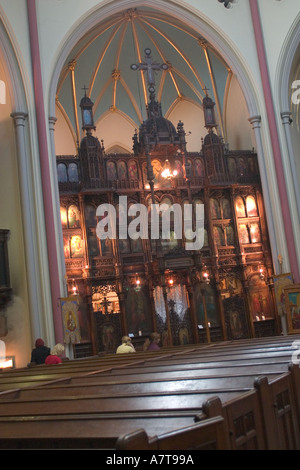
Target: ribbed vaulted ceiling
[(101, 62)]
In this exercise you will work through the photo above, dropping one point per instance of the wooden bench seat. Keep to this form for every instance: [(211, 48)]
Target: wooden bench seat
[(224, 357), (102, 403), (159, 395), (265, 418), (133, 384), (279, 347), (190, 357), (251, 422), (45, 373), (186, 368), (85, 430), (77, 378)]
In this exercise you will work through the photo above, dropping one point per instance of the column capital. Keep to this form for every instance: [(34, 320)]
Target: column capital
[(52, 122), (19, 117), (255, 121), (286, 117)]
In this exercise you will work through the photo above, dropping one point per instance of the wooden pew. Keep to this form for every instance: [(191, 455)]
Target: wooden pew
[(250, 420), (278, 346), (279, 410), (152, 371), (210, 434), (44, 374), (83, 430), (294, 370), (36, 415), (243, 420), (276, 351), (186, 369), (133, 384), (265, 418), (106, 403)]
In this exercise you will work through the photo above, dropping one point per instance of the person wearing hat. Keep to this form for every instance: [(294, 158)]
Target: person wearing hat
[(39, 353), (126, 346)]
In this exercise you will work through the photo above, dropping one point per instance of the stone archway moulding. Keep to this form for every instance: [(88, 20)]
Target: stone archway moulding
[(17, 88), (286, 62)]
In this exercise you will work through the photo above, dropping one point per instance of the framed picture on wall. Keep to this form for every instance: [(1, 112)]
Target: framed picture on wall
[(292, 304), (281, 282)]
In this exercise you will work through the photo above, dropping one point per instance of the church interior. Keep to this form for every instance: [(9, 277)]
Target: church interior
[(149, 182)]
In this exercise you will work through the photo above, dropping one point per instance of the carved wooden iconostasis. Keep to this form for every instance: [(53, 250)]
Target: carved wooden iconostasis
[(136, 286)]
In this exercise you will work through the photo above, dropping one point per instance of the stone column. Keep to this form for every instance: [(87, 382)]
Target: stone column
[(45, 173), (256, 126), (37, 324), (58, 227)]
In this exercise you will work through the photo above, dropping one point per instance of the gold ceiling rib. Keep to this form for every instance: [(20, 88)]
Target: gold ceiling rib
[(67, 119), (72, 66), (189, 83), (215, 91), (179, 94), (166, 19), (85, 45), (150, 24), (161, 84), (62, 79), (175, 102), (132, 100), (120, 45), (163, 75), (116, 74), (178, 50), (100, 95), (225, 101), (98, 32), (137, 46), (104, 50)]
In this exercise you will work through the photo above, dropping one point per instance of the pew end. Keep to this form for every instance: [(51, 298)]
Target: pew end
[(209, 434)]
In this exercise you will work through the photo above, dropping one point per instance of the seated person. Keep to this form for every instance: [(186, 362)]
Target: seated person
[(39, 353), (152, 343), (126, 346), (55, 356)]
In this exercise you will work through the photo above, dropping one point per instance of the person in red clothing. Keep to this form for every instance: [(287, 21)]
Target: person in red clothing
[(55, 355)]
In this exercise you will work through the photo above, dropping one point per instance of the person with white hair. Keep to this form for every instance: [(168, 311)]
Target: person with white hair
[(126, 346), (55, 355)]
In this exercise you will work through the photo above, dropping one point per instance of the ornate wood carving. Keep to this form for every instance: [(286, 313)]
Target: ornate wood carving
[(215, 173)]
